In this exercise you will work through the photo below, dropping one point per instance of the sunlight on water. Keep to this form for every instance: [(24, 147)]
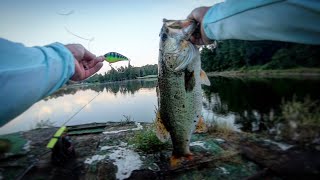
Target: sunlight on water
[(110, 105), (250, 105)]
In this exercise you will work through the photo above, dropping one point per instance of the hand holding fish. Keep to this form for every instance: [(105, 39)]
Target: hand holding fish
[(199, 36), (86, 63)]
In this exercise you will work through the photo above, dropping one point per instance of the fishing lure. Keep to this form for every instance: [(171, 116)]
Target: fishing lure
[(113, 57)]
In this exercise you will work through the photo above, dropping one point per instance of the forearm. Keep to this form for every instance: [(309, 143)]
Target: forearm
[(291, 20), (28, 74)]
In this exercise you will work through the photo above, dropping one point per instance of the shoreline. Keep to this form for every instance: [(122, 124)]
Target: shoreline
[(104, 152), (282, 73)]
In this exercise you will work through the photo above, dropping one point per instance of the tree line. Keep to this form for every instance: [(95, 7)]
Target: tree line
[(232, 55), (236, 54), (124, 73)]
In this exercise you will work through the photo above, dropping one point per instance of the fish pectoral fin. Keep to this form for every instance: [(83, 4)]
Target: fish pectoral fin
[(161, 131), (204, 78), (201, 126)]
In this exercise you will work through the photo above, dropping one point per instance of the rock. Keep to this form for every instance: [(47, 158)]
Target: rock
[(106, 171), (296, 162)]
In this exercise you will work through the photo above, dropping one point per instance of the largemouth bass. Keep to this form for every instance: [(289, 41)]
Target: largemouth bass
[(179, 86)]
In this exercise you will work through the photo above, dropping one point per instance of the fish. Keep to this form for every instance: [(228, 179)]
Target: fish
[(179, 89), (113, 57)]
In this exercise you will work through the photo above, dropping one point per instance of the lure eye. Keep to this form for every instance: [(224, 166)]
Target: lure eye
[(164, 37)]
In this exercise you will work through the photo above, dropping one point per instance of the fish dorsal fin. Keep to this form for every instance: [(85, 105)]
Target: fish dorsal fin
[(201, 126), (204, 78), (161, 131)]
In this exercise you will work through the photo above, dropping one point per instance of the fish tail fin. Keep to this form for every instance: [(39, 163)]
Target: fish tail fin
[(176, 161), (204, 78), (201, 126), (161, 131)]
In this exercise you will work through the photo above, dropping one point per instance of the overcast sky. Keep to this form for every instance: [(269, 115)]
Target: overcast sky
[(130, 27)]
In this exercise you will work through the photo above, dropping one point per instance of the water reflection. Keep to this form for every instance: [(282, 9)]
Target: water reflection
[(136, 99), (249, 104), (123, 87), (255, 103)]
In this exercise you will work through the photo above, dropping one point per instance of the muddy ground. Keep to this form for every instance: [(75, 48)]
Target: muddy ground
[(110, 154)]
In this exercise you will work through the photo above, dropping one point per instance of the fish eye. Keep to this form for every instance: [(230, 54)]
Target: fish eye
[(164, 37)]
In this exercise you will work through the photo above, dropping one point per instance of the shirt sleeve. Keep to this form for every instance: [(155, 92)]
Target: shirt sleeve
[(28, 74), (280, 20)]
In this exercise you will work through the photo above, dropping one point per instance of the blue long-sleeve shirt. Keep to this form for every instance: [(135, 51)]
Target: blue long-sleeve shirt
[(281, 20), (28, 74)]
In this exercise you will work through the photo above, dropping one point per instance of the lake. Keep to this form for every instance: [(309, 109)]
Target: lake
[(245, 104)]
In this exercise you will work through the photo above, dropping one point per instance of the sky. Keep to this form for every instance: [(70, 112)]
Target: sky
[(129, 27)]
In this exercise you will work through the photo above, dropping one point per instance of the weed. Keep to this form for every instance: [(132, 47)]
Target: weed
[(126, 120), (219, 127), (147, 141), (44, 124), (299, 120)]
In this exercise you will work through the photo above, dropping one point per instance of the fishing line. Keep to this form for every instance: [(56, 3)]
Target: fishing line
[(80, 109), (21, 175), (67, 14)]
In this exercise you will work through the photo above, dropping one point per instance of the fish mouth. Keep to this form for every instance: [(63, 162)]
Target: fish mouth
[(177, 34), (183, 27)]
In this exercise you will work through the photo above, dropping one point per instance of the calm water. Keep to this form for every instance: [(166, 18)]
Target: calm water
[(245, 104)]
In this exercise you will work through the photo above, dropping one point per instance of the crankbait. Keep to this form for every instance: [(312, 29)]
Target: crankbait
[(113, 57)]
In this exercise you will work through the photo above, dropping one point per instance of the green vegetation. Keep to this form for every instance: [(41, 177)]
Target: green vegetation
[(44, 124), (259, 55), (222, 128), (259, 71), (124, 73), (16, 141), (300, 120), (147, 141), (306, 112), (243, 56)]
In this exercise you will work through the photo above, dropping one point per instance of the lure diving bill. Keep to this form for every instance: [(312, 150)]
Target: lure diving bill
[(113, 57)]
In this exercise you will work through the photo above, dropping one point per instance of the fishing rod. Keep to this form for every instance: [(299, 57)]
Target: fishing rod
[(110, 57), (63, 128)]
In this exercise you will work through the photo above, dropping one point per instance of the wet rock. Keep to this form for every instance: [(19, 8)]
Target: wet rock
[(296, 162), (106, 171), (143, 174)]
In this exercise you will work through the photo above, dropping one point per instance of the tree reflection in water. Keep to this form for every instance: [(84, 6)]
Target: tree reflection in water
[(123, 87), (256, 102)]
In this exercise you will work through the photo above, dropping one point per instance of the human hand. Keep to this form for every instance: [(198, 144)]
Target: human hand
[(86, 63), (199, 37)]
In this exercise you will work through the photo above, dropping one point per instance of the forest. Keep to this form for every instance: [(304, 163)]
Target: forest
[(124, 73), (239, 54), (232, 55)]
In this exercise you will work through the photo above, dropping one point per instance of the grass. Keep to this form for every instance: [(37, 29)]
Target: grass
[(147, 141), (300, 120), (126, 120), (44, 124), (222, 128), (305, 112)]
